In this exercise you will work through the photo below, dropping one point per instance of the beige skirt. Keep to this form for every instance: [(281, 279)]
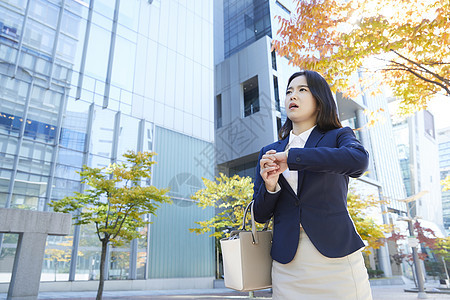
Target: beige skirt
[(311, 276)]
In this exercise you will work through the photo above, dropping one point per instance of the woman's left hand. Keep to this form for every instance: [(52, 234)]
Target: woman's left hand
[(280, 158)]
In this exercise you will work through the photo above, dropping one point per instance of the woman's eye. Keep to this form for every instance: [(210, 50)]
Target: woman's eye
[(302, 90), (288, 92)]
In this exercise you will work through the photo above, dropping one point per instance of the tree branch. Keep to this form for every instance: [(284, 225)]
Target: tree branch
[(98, 233), (120, 227), (107, 213), (422, 67), (447, 89)]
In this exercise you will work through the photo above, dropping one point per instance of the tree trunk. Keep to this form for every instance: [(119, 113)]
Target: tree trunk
[(102, 270)]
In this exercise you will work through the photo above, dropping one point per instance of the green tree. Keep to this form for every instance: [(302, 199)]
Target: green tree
[(115, 202), (446, 183), (228, 194), (368, 229), (407, 42)]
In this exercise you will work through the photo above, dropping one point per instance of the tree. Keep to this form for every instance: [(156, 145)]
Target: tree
[(409, 38), (115, 202), (228, 194), (368, 229), (446, 183), (442, 248)]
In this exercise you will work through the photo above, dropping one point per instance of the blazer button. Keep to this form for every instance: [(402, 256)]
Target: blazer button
[(298, 159)]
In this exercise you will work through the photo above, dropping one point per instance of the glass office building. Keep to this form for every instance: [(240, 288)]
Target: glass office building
[(443, 137), (82, 82)]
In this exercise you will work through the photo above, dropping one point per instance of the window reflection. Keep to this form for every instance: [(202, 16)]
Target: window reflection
[(128, 135), (7, 254), (102, 132)]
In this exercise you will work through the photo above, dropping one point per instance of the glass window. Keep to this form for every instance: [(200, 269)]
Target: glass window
[(129, 14), (151, 70), (181, 30), (165, 19), (219, 111), (28, 190), (8, 144), (142, 254), (123, 64), (39, 37), (45, 12), (66, 50), (429, 123), (189, 86), (171, 85), (68, 157), (98, 53), (58, 252), (88, 263), (11, 22), (277, 93), (105, 8), (102, 134), (119, 262), (161, 74), (197, 89), (44, 129), (63, 187), (128, 135), (7, 254), (67, 172), (251, 96), (148, 137), (36, 150), (154, 23), (190, 34)]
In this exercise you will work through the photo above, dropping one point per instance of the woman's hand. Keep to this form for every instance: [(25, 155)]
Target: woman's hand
[(270, 170), (280, 158)]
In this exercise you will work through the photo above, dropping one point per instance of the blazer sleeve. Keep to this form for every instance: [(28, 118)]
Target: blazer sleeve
[(349, 158), (264, 202)]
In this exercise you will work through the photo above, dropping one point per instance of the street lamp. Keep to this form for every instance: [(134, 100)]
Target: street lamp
[(419, 273)]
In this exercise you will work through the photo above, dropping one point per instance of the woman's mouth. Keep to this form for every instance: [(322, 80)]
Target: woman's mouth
[(293, 106)]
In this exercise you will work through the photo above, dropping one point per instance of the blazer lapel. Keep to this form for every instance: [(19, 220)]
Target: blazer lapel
[(313, 139)]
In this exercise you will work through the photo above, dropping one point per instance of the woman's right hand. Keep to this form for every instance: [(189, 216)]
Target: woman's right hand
[(270, 171)]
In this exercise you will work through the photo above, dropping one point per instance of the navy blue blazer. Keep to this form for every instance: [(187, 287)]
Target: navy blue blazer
[(324, 166)]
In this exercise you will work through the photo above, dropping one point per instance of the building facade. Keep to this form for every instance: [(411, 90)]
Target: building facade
[(82, 82), (443, 137), (417, 145)]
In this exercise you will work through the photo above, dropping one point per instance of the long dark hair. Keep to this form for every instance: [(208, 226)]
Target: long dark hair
[(327, 117)]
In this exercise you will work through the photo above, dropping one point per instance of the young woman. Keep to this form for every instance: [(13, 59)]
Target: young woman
[(302, 182)]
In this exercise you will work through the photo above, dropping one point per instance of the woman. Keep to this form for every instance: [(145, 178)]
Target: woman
[(302, 182)]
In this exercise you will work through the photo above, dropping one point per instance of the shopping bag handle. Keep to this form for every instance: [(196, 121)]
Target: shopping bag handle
[(254, 233)]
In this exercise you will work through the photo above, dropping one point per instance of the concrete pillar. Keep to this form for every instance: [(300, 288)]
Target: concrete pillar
[(385, 261), (27, 267), (33, 228)]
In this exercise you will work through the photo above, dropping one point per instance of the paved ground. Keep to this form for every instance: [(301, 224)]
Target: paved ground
[(395, 292)]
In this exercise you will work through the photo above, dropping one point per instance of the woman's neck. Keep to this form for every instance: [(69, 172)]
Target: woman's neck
[(298, 128)]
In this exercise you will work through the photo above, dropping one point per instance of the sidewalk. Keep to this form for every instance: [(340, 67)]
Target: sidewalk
[(394, 292)]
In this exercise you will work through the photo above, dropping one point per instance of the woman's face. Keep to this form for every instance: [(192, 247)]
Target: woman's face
[(301, 107)]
